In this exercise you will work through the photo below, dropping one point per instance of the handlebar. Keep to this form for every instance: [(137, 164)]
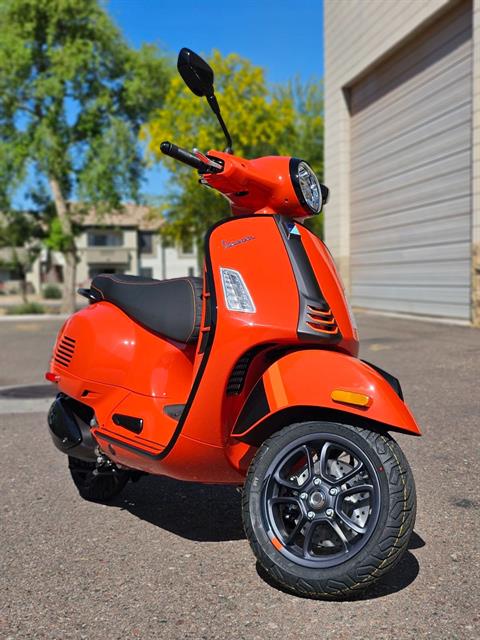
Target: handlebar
[(170, 149)]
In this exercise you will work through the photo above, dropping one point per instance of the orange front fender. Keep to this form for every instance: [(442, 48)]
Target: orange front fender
[(317, 383)]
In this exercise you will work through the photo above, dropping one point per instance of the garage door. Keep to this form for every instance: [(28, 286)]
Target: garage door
[(411, 175)]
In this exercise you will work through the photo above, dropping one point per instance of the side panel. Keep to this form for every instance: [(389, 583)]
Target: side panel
[(125, 374), (102, 344), (308, 378)]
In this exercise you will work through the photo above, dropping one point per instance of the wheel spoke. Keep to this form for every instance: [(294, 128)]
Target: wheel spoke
[(339, 531), (308, 535), (323, 460), (291, 484), (308, 455), (348, 476), (357, 488), (284, 500), (350, 523), (295, 531)]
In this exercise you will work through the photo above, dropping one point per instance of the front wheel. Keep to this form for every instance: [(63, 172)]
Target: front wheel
[(328, 508)]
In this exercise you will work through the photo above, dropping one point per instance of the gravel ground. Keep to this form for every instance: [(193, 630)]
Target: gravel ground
[(169, 560)]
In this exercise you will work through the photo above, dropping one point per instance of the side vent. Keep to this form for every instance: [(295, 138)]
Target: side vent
[(65, 350), (240, 370), (321, 320)]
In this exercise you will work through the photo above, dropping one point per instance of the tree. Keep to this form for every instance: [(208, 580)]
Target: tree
[(309, 128), (285, 121), (20, 234), (260, 123), (73, 97)]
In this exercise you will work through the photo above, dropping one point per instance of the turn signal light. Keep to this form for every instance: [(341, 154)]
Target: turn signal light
[(351, 397), (237, 296)]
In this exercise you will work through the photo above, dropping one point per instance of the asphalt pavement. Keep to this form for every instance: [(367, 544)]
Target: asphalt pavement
[(169, 560)]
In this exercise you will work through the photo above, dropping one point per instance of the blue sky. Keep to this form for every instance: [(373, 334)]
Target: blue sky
[(283, 36)]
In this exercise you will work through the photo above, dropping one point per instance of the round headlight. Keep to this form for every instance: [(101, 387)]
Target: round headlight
[(306, 185)]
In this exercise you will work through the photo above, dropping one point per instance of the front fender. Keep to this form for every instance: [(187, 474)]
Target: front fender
[(300, 386)]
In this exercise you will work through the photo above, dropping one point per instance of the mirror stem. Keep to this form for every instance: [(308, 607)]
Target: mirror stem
[(212, 101)]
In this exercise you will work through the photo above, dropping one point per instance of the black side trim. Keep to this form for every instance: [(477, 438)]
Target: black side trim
[(291, 415), (128, 422), (254, 408), (309, 292), (237, 378), (203, 342), (173, 410), (208, 348), (392, 381)]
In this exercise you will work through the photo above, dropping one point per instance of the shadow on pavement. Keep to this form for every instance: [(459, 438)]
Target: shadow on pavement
[(399, 578), (212, 513), (205, 513)]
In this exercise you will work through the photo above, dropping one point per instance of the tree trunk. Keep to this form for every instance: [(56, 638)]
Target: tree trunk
[(19, 268), (69, 251), (23, 289)]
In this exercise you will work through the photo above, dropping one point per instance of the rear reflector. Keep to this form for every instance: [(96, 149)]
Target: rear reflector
[(351, 397), (52, 377)]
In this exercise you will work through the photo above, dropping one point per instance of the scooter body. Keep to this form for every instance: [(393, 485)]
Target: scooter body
[(263, 350), (192, 400)]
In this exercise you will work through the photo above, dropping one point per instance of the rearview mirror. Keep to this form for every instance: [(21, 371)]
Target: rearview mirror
[(198, 76), (196, 73)]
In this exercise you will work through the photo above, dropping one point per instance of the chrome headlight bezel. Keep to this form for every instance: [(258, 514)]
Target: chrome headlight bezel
[(299, 172)]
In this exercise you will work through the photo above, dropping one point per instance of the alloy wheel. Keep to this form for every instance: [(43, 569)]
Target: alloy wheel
[(320, 500)]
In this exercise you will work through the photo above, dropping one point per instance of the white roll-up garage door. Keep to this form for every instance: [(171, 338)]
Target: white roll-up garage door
[(411, 175)]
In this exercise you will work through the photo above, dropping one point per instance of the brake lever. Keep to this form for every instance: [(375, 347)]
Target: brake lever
[(206, 160)]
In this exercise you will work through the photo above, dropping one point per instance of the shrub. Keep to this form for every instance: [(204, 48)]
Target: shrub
[(52, 292), (26, 309)]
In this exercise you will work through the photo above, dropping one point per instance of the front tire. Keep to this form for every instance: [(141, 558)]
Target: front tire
[(328, 508)]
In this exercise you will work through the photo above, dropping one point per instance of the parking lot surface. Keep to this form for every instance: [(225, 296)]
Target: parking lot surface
[(169, 560)]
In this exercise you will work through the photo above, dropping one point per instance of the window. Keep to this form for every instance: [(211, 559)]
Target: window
[(186, 247), (105, 238), (145, 241), (146, 272)]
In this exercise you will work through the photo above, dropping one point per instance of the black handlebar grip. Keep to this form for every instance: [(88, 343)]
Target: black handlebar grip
[(170, 149)]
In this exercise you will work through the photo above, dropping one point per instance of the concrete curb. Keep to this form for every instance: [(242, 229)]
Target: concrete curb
[(25, 405), (411, 316), (40, 316)]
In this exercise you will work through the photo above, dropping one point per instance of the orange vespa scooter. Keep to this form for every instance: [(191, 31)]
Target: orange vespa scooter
[(247, 376)]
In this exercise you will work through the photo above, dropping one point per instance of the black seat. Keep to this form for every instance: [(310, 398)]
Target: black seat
[(172, 308)]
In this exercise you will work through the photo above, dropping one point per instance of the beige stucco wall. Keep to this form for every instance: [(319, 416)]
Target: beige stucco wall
[(476, 166), (173, 264), (129, 246), (358, 34)]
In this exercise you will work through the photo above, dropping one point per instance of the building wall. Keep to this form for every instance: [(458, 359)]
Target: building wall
[(476, 167), (358, 34), (168, 262), (106, 255)]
